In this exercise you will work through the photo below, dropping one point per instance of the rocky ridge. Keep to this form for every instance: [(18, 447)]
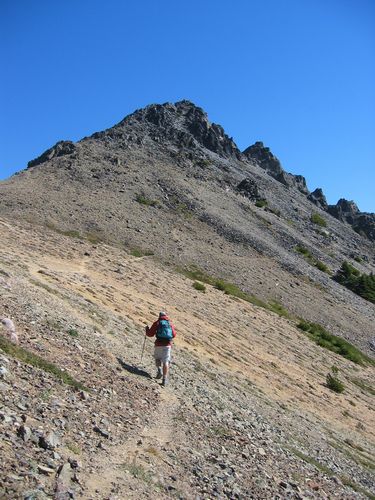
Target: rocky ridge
[(187, 126)]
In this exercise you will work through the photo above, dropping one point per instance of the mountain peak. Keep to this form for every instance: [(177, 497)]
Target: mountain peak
[(182, 124)]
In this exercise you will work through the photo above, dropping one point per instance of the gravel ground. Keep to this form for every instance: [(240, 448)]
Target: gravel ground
[(246, 415)]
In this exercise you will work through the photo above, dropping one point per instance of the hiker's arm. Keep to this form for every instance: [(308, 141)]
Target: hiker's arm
[(173, 331), (152, 331)]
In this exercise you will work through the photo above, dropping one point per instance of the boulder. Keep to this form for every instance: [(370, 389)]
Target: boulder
[(249, 188), (61, 148)]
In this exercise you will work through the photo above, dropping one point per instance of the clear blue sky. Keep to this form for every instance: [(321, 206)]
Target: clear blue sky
[(298, 75)]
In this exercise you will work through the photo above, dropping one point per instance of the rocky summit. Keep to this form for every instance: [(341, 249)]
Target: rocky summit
[(271, 386)]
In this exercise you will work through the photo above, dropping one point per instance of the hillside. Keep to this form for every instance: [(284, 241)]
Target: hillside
[(164, 212), (246, 414), (167, 181)]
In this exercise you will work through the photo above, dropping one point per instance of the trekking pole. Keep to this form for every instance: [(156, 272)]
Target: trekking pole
[(143, 348)]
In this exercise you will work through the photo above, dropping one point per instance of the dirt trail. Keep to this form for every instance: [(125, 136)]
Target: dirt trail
[(144, 457)]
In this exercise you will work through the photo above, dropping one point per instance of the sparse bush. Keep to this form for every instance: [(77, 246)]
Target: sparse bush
[(140, 198), (364, 386), (73, 448), (278, 309), (199, 286), (322, 267), (93, 237), (138, 252), (361, 284), (334, 383), (32, 359), (203, 163), (314, 262), (73, 332), (233, 290), (138, 471), (184, 210), (318, 220), (261, 203), (303, 251), (358, 259), (320, 336)]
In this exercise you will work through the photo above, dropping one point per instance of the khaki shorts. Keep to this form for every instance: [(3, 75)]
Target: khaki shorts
[(162, 354)]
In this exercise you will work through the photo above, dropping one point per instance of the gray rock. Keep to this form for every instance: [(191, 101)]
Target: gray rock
[(101, 431), (49, 442), (45, 470), (24, 433)]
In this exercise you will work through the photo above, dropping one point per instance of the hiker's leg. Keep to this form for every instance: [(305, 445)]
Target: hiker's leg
[(166, 362), (165, 369), (158, 362)]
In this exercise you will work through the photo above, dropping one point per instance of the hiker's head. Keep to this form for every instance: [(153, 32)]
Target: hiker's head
[(162, 314)]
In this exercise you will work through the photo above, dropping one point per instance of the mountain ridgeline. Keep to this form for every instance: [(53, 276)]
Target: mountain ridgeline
[(166, 181), (187, 126)]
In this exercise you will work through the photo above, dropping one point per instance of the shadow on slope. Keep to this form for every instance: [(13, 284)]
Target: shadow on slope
[(133, 369)]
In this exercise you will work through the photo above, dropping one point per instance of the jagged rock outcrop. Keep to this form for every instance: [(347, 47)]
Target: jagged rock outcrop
[(61, 148), (297, 181), (347, 211), (344, 210), (364, 224), (318, 198), (182, 124), (249, 188), (264, 158)]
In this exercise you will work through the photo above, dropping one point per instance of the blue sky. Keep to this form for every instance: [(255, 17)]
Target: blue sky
[(298, 75)]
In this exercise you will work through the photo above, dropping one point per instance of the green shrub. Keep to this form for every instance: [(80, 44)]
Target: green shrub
[(140, 198), (199, 286), (314, 262), (334, 383), (278, 309), (138, 252), (202, 163), (318, 219), (231, 289), (72, 332), (364, 386), (333, 343), (32, 359), (93, 237), (303, 251), (322, 267), (184, 210), (261, 203), (361, 284)]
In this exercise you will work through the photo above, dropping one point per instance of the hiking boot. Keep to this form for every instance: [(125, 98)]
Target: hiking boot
[(159, 374), (164, 381)]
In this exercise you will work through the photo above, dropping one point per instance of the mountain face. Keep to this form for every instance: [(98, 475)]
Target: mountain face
[(163, 212), (185, 125), (166, 180)]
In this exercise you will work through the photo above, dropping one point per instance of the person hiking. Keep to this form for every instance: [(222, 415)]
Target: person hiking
[(164, 331)]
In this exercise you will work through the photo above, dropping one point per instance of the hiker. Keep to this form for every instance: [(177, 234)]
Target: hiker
[(164, 331)]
